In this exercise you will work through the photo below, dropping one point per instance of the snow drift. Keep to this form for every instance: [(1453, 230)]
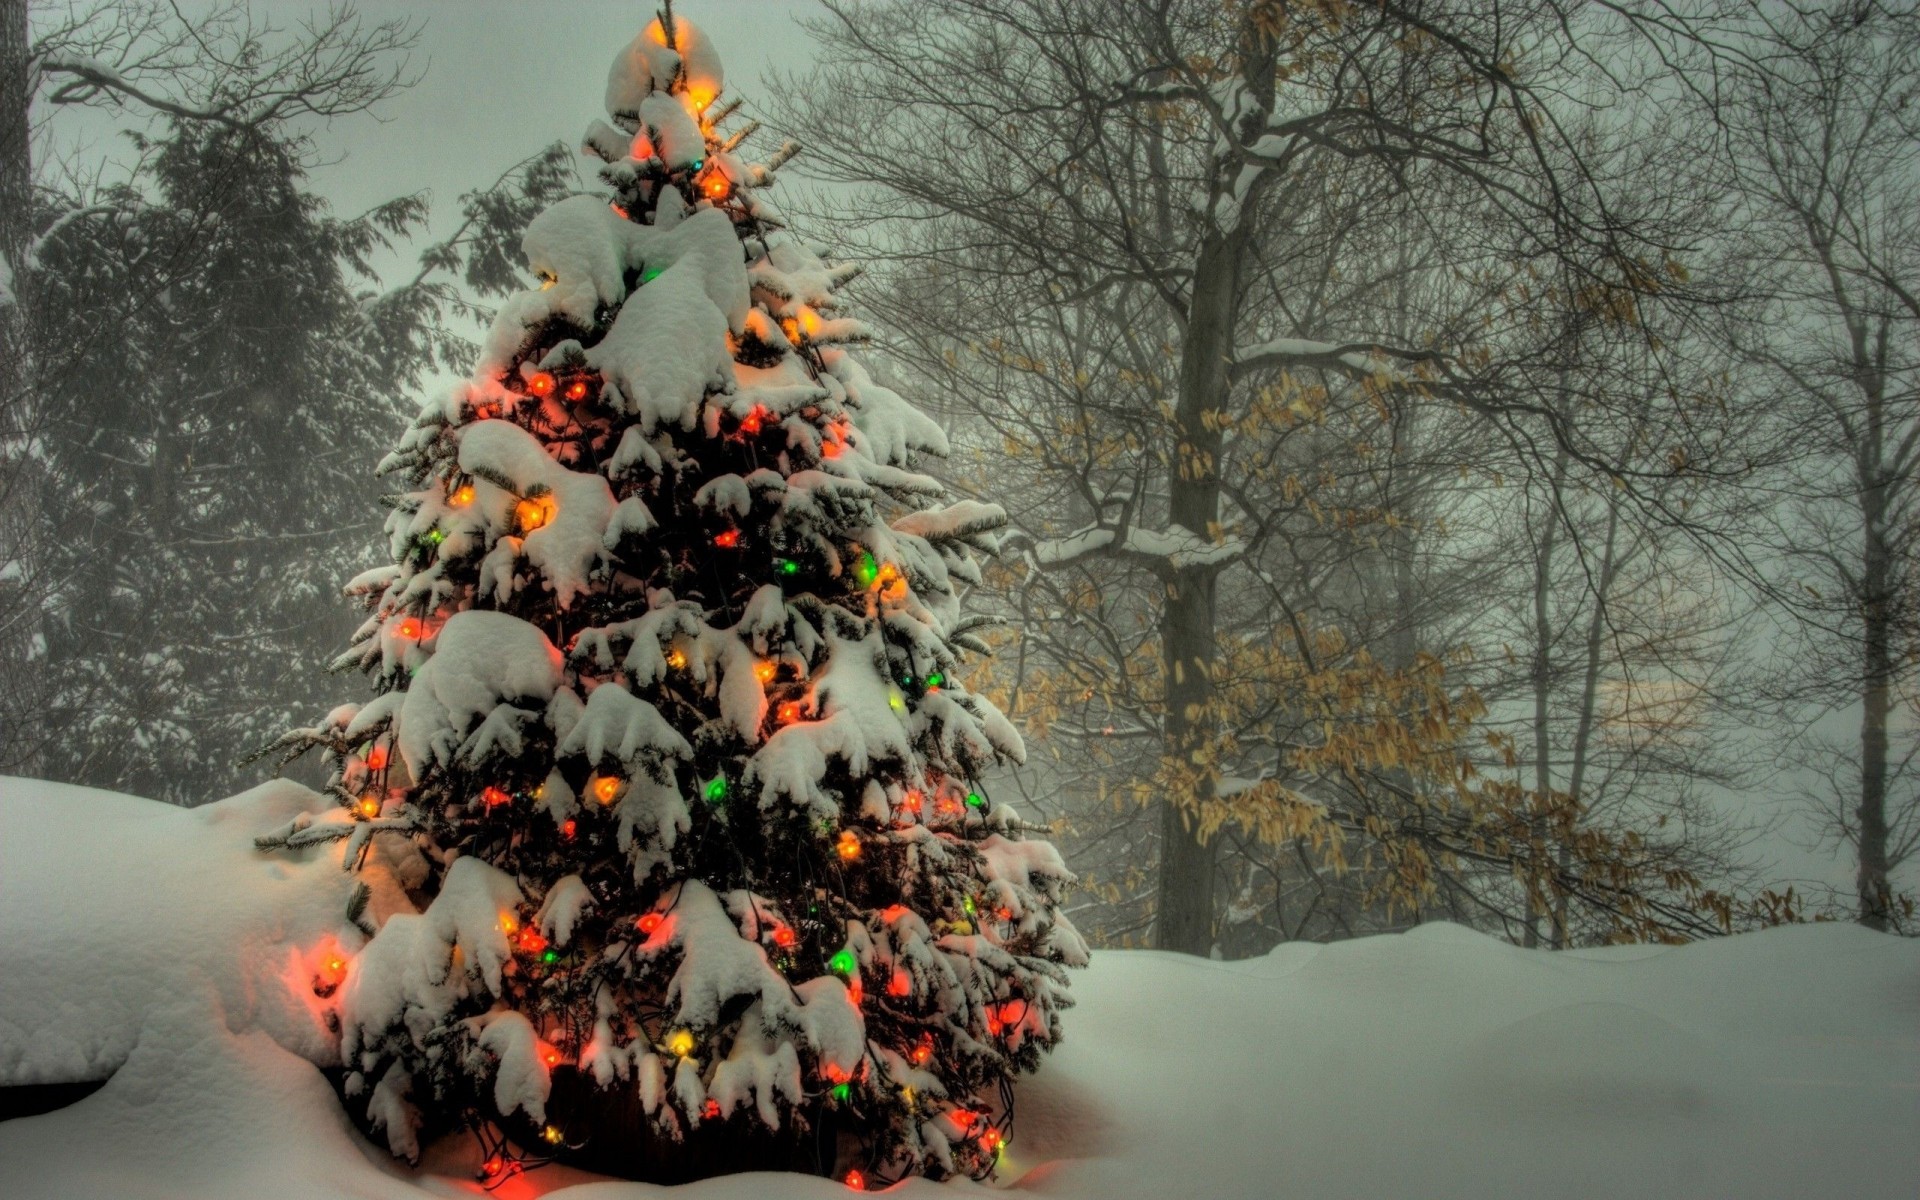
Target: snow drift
[(155, 948)]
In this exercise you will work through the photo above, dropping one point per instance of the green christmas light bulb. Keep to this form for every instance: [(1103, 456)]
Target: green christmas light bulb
[(842, 963)]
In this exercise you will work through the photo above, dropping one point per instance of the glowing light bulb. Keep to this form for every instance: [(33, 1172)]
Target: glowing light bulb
[(728, 539), (765, 670), (493, 1166), (789, 712), (508, 923), (716, 187), (901, 984), (975, 799), (680, 1042), (701, 95), (550, 1056), (888, 576), (856, 1180), (842, 1092), (866, 570), (551, 1135), (789, 567), (377, 758), (914, 801), (462, 496), (842, 963), (677, 658), (717, 790), (494, 797), (711, 1112), (936, 681), (642, 147), (896, 701), (541, 384), (369, 806), (605, 788), (577, 391), (990, 1140), (533, 512), (849, 845), (649, 923), (531, 941), (409, 628), (923, 1052), (751, 422), (568, 828), (783, 937)]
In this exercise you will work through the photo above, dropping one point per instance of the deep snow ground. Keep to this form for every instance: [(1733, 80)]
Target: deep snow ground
[(155, 945)]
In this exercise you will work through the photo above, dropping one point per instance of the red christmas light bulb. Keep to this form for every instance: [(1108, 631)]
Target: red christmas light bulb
[(712, 1110), (901, 984), (409, 628), (541, 384), (783, 937), (531, 941), (568, 828), (727, 540), (789, 712), (493, 1166), (923, 1052), (752, 421), (494, 797), (377, 758), (649, 923), (856, 1180)]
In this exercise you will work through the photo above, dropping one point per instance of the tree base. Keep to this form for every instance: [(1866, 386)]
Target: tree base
[(605, 1130)]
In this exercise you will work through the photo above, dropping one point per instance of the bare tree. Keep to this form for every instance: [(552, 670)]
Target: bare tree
[(1822, 132), (1160, 225)]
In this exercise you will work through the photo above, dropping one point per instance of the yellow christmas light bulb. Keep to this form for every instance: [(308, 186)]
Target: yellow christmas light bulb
[(681, 1042)]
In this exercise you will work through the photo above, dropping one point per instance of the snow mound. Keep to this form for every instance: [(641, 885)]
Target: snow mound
[(156, 946)]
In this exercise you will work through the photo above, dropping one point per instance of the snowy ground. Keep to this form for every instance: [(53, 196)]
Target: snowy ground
[(153, 945)]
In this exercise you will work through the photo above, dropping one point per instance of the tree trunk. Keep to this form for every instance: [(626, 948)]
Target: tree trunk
[(1876, 896), (1185, 912)]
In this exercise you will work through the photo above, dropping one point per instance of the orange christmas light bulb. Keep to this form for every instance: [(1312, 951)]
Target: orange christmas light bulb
[(533, 513), (409, 628), (849, 845), (369, 806), (765, 670), (462, 496), (577, 390), (541, 384), (605, 788)]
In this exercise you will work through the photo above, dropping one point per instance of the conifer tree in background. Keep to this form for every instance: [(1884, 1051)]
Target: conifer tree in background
[(669, 739)]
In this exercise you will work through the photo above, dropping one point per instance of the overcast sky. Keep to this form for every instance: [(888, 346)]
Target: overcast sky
[(504, 77)]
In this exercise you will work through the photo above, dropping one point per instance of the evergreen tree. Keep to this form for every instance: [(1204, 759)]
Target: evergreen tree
[(204, 362), (669, 738)]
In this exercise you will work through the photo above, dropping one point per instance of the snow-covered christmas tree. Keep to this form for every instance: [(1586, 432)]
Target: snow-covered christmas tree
[(669, 801)]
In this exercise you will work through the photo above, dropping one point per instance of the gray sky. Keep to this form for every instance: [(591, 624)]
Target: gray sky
[(504, 77)]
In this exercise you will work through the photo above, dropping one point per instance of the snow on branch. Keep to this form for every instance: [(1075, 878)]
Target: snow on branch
[(1175, 548), (1353, 358)]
